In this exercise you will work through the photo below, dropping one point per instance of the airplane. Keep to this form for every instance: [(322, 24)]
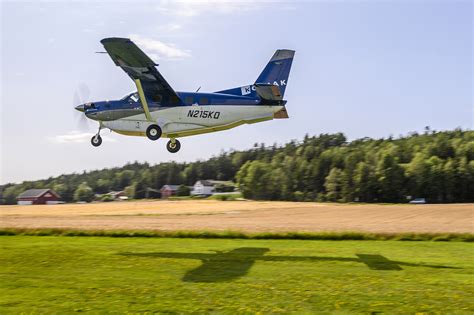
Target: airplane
[(157, 111)]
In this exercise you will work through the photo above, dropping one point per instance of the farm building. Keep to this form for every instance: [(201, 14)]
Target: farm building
[(203, 188), (38, 197), (112, 196), (118, 195), (209, 187), (168, 191)]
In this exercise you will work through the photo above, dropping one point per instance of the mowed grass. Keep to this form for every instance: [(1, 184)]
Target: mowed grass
[(54, 274)]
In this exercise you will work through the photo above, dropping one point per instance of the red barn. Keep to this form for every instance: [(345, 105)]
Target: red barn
[(168, 191), (38, 197)]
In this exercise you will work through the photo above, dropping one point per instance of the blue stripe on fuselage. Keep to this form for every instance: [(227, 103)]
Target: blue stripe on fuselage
[(188, 99)]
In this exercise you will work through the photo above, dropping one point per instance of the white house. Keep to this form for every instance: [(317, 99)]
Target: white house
[(203, 188)]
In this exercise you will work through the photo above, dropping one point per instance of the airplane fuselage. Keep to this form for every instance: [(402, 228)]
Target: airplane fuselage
[(201, 113)]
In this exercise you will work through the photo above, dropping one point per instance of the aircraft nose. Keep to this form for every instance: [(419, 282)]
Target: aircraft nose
[(80, 108)]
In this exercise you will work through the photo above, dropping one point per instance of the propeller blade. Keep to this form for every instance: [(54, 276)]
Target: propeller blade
[(84, 93), (81, 96), (83, 124)]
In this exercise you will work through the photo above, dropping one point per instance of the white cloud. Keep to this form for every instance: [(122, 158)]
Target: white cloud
[(159, 50), (190, 8), (78, 137), (172, 27)]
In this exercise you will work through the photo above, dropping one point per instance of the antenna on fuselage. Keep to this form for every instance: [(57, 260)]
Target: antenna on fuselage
[(198, 89)]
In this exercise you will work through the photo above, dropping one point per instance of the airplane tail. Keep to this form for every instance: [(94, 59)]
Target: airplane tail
[(275, 73), (277, 70)]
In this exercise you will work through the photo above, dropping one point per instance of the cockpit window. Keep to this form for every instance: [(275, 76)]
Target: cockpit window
[(131, 96)]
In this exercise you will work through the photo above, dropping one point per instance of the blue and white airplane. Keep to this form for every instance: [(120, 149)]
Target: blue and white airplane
[(155, 110)]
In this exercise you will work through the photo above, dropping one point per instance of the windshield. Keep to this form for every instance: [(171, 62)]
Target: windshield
[(133, 96)]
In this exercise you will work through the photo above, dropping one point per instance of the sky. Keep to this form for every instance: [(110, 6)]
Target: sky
[(364, 68)]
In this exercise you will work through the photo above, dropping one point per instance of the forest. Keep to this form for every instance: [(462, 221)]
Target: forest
[(436, 165)]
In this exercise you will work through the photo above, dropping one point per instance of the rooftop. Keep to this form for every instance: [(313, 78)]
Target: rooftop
[(35, 193)]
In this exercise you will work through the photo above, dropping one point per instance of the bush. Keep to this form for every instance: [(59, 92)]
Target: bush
[(183, 190), (226, 197), (333, 236), (106, 198), (84, 193), (299, 196)]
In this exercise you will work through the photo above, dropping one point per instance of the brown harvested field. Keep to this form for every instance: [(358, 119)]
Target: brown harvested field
[(251, 216)]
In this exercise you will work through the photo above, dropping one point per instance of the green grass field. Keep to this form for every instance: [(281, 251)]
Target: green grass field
[(54, 274)]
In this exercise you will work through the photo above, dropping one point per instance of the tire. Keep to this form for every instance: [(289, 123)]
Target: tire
[(173, 148), (153, 132), (96, 140)]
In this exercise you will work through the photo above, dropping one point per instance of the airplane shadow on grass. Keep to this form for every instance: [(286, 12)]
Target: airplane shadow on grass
[(227, 266)]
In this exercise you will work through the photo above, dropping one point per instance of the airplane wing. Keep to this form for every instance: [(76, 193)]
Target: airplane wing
[(139, 66)]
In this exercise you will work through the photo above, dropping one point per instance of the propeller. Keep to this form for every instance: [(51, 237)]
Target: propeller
[(81, 96)]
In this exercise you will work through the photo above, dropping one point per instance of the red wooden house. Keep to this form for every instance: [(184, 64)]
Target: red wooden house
[(168, 191), (38, 197)]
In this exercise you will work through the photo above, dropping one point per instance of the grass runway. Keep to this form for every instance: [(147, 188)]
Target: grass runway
[(57, 274)]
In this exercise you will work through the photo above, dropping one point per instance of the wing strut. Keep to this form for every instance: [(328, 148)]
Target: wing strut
[(143, 99)]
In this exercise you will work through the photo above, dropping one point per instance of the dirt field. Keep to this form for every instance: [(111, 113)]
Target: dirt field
[(243, 216)]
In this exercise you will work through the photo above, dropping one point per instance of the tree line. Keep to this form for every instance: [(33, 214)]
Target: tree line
[(438, 166)]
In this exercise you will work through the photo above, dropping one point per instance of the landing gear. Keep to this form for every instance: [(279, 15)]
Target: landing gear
[(173, 146), (153, 132), (96, 140)]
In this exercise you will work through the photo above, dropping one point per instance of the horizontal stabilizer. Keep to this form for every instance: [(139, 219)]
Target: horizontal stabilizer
[(268, 92), (281, 114)]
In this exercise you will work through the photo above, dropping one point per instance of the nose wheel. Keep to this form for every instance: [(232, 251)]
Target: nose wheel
[(173, 146), (96, 140)]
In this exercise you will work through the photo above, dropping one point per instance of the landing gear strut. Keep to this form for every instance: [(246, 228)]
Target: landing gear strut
[(173, 145), (153, 132), (96, 139)]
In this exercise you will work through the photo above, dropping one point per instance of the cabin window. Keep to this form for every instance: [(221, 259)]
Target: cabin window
[(157, 98), (174, 100), (188, 100), (204, 101)]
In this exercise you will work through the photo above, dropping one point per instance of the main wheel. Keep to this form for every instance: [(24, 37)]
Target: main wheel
[(96, 140), (173, 147), (153, 132)]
